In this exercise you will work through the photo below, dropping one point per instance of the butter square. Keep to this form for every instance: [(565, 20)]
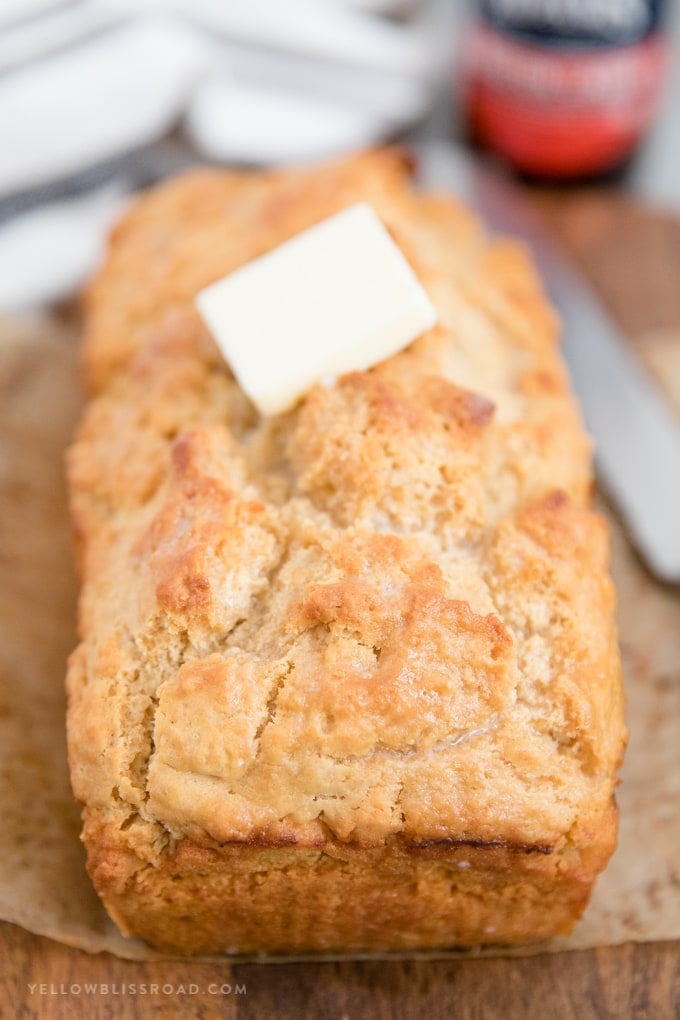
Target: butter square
[(337, 298)]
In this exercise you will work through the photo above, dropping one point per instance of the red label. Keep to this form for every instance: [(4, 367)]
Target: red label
[(557, 113)]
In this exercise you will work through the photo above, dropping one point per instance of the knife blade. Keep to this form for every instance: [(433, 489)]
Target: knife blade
[(636, 434)]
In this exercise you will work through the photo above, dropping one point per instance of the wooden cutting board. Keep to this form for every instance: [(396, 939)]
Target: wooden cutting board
[(633, 258)]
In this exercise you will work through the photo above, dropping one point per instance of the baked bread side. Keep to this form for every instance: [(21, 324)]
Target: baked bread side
[(348, 676)]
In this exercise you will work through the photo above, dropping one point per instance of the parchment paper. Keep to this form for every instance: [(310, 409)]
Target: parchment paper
[(43, 884)]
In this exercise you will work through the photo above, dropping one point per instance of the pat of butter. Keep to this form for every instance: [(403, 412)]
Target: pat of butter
[(336, 298)]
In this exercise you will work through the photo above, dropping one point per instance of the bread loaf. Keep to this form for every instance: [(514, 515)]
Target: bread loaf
[(348, 677)]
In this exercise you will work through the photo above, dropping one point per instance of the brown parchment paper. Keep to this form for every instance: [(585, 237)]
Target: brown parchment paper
[(43, 884)]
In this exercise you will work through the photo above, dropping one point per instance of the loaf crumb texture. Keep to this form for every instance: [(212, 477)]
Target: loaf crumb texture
[(384, 615)]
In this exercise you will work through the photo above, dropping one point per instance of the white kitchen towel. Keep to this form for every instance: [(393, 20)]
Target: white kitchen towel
[(88, 85)]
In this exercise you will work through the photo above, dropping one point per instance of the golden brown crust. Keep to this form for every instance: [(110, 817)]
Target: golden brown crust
[(378, 628)]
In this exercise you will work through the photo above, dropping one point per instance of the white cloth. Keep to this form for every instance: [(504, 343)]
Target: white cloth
[(83, 85)]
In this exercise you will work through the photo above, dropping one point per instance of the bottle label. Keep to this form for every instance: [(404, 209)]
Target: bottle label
[(553, 87)]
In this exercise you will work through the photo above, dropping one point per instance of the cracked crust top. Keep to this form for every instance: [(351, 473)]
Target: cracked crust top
[(384, 613)]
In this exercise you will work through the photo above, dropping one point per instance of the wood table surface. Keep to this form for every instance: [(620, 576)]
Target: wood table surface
[(633, 258)]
